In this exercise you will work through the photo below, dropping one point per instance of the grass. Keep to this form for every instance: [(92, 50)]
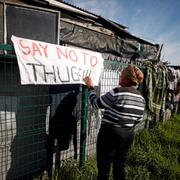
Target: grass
[(154, 155)]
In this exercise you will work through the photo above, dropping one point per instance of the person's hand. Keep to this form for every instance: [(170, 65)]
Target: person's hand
[(88, 82)]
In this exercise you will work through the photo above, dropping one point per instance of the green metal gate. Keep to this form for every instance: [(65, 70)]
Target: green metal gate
[(23, 113)]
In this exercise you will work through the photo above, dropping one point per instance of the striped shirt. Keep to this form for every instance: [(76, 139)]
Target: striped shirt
[(124, 106)]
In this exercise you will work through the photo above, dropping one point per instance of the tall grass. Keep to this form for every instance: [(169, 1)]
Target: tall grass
[(154, 155), (71, 171)]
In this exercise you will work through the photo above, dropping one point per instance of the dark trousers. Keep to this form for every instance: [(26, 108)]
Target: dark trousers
[(112, 147)]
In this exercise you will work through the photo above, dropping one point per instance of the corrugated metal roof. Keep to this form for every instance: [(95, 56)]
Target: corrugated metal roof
[(71, 7), (106, 22)]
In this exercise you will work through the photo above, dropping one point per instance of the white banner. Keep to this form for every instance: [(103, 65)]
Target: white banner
[(44, 63)]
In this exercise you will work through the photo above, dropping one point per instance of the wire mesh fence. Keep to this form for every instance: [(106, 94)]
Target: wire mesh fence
[(41, 126)]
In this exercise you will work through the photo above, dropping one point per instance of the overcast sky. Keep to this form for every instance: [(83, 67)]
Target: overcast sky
[(157, 21)]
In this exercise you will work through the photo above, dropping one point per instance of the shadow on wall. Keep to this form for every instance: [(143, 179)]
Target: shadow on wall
[(62, 128)]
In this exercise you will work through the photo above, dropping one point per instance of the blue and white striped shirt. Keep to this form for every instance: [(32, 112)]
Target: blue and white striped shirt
[(124, 106)]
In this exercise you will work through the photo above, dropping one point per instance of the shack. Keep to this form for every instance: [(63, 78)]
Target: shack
[(31, 114)]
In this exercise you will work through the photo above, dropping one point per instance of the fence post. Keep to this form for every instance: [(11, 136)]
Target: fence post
[(84, 118)]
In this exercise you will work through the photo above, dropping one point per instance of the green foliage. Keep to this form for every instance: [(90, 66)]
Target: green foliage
[(155, 154)]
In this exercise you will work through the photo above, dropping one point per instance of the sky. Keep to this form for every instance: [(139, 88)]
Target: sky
[(157, 21)]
